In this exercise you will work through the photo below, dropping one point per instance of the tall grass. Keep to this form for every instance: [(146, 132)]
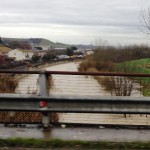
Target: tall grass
[(8, 83)]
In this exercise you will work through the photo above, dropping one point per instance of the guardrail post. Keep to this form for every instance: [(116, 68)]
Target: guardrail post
[(43, 85)]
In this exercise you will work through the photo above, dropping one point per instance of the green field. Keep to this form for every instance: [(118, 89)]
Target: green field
[(135, 66), (138, 66)]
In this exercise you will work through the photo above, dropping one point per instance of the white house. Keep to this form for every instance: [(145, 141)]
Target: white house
[(19, 54)]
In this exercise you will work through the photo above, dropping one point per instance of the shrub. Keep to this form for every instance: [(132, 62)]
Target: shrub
[(8, 83)]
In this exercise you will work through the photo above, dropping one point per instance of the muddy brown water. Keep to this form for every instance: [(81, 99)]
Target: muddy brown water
[(29, 85), (76, 85)]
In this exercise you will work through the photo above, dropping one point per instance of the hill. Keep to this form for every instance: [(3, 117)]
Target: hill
[(4, 49), (45, 44), (35, 42), (41, 43)]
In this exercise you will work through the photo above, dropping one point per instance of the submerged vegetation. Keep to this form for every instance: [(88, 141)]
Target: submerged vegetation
[(8, 83), (131, 59)]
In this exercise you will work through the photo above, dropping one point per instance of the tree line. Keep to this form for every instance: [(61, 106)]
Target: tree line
[(108, 59)]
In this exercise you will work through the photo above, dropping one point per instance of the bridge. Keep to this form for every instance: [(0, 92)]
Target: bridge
[(45, 103)]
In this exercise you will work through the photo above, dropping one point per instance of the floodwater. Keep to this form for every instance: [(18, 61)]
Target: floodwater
[(63, 84), (76, 85), (87, 85)]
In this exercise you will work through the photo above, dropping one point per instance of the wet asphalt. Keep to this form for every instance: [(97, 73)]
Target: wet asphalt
[(96, 133)]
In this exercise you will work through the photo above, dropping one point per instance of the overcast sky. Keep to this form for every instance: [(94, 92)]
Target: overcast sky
[(74, 21)]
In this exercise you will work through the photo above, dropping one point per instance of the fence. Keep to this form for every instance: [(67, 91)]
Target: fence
[(76, 83), (70, 84)]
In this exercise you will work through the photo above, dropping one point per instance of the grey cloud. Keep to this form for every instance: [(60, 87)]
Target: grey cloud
[(111, 15), (76, 12)]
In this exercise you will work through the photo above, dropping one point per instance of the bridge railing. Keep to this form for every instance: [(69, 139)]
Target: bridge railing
[(74, 83), (85, 92)]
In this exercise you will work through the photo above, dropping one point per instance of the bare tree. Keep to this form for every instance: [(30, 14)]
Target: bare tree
[(120, 86), (145, 21)]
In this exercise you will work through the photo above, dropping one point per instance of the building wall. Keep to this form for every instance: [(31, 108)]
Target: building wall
[(20, 55)]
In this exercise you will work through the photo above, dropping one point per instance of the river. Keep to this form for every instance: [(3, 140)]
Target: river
[(76, 85), (82, 85), (63, 84)]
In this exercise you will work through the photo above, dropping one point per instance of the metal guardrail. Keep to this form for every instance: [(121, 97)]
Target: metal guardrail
[(45, 103), (115, 104), (77, 73)]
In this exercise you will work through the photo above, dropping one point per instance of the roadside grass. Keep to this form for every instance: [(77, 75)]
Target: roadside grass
[(57, 143), (137, 66)]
